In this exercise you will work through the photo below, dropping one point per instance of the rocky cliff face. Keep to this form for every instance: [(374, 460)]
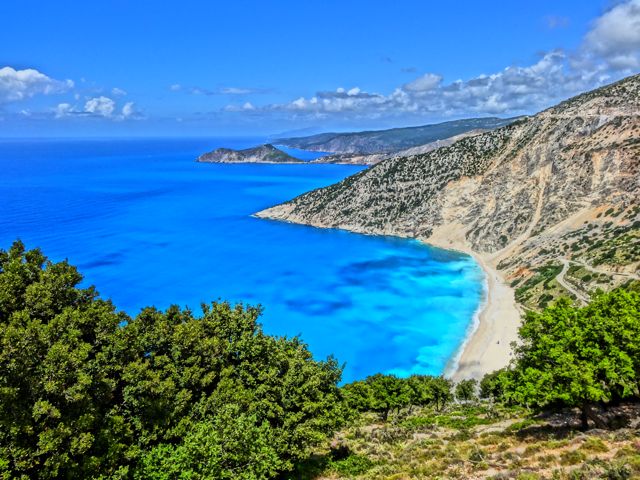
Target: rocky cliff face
[(522, 194), (262, 154)]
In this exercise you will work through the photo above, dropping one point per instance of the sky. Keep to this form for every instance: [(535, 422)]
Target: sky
[(243, 68)]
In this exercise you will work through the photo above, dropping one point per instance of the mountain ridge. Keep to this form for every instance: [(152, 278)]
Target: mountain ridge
[(390, 140)]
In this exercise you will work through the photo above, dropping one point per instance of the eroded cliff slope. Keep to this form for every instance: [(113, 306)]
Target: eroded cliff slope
[(559, 189)]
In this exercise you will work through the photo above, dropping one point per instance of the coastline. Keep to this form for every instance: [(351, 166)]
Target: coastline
[(487, 343), (487, 346)]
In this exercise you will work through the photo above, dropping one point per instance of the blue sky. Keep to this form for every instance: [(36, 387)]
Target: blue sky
[(117, 68)]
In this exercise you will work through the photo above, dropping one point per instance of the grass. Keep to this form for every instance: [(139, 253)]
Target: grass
[(473, 441)]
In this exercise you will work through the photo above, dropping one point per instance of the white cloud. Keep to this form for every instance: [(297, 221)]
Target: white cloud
[(609, 51), (615, 36), (236, 91), (63, 109), (514, 90), (554, 22), (118, 92), (100, 106), (18, 85), (128, 110), (426, 82), (219, 91), (245, 107)]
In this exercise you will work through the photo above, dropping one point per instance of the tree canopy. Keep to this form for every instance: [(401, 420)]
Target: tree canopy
[(385, 393), (89, 392), (576, 356)]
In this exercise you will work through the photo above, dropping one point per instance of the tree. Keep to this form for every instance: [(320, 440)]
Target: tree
[(88, 392), (441, 392), (495, 385), (229, 446), (358, 396), (421, 391), (466, 390), (579, 357), (388, 392)]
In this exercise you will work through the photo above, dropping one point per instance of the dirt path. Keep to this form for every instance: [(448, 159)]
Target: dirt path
[(605, 272), (560, 279)]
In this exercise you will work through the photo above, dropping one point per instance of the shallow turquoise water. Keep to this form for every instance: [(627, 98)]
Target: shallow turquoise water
[(149, 226)]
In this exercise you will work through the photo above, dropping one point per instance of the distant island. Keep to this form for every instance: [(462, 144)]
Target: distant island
[(261, 154)]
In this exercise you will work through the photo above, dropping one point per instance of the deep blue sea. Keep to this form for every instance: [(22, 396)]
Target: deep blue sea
[(149, 226)]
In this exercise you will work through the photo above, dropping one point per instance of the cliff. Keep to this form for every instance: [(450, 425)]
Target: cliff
[(559, 189)]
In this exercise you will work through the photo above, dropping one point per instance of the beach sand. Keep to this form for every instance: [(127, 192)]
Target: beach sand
[(488, 346)]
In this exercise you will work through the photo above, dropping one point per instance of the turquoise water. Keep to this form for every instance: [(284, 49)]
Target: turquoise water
[(149, 226)]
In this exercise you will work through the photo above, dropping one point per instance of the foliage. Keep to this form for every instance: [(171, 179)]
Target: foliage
[(466, 390), (88, 392), (578, 357), (385, 393), (494, 385), (483, 439)]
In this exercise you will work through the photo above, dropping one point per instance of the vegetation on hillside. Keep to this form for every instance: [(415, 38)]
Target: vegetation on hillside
[(575, 368), (394, 139), (90, 392)]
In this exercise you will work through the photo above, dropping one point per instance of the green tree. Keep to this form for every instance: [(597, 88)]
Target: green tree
[(358, 396), (441, 392), (88, 392), (388, 392), (229, 446), (466, 390), (579, 357), (421, 392), (495, 385)]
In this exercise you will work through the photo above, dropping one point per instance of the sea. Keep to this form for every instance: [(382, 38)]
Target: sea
[(149, 226)]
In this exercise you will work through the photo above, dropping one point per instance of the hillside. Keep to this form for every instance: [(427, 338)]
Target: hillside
[(262, 154), (551, 200), (373, 158), (392, 140), (479, 440)]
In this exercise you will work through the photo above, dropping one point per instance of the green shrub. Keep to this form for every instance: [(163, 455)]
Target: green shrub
[(594, 445), (86, 391), (572, 457), (352, 465)]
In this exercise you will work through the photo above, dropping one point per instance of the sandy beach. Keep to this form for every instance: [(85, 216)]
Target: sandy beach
[(488, 346)]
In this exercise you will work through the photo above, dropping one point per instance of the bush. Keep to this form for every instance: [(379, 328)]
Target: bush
[(352, 465)]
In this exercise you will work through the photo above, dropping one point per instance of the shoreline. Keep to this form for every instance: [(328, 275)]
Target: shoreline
[(453, 364), (487, 344)]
